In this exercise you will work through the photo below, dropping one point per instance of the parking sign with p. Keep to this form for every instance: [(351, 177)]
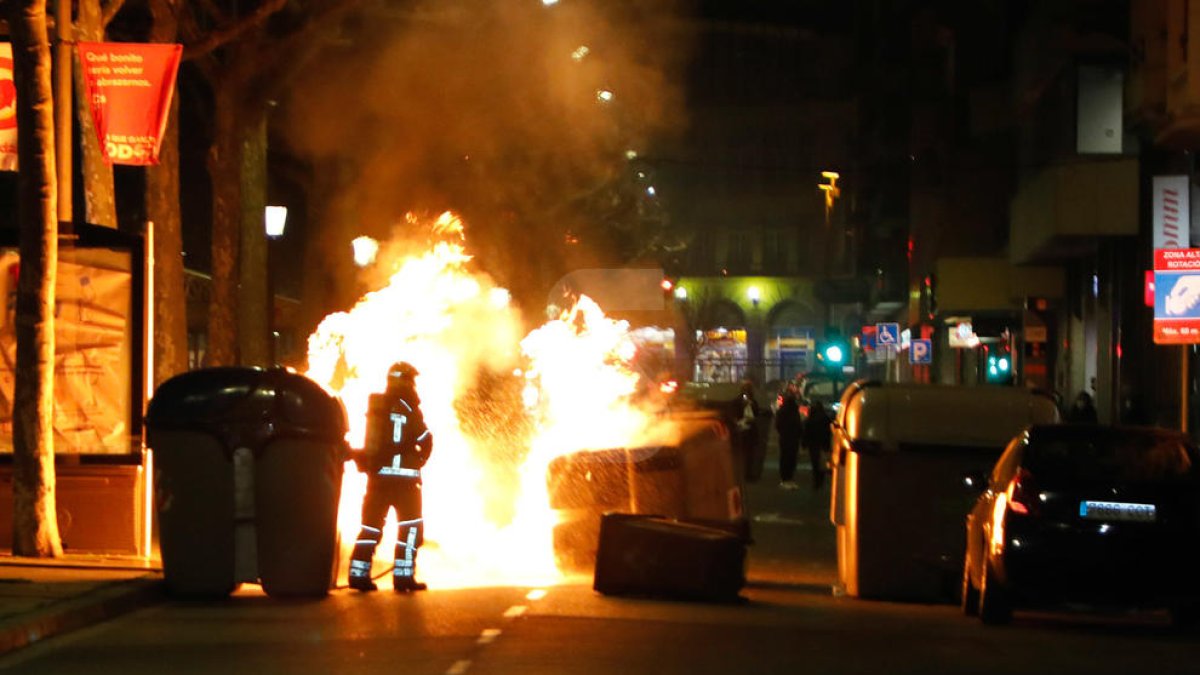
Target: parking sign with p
[(920, 352)]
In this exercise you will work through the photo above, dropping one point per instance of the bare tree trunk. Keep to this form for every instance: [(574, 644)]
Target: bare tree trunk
[(170, 298), (35, 523), (329, 272), (224, 166), (162, 209), (99, 195), (252, 63), (255, 304)]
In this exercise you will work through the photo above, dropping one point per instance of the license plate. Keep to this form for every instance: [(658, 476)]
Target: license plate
[(1127, 511)]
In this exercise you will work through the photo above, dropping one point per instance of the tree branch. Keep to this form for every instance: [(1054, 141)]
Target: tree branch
[(297, 48), (299, 45), (108, 10), (223, 35), (218, 15)]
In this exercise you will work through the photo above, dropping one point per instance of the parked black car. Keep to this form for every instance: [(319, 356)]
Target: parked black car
[(1087, 514)]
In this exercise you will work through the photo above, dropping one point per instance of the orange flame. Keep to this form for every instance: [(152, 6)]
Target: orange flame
[(447, 224), (500, 407)]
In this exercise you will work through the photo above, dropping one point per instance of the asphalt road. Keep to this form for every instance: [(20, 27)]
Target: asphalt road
[(790, 621)]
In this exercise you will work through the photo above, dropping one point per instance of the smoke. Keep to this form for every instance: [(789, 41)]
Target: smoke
[(488, 108)]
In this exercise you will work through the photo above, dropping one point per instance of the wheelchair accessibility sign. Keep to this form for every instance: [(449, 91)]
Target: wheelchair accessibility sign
[(887, 334), (920, 352)]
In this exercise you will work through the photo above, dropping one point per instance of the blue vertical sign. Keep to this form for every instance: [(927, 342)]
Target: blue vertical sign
[(920, 352)]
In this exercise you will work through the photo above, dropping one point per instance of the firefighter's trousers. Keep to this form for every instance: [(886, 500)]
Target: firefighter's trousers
[(387, 490)]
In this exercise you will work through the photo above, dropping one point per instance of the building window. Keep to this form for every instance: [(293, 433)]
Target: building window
[(197, 346), (740, 254), (775, 252), (701, 253)]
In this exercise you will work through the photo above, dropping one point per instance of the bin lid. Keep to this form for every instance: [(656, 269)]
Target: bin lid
[(230, 397)]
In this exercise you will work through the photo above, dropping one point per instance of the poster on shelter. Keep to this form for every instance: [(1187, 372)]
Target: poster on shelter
[(129, 87), (93, 351), (8, 110)]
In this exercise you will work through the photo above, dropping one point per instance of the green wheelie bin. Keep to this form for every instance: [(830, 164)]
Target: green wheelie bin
[(248, 473)]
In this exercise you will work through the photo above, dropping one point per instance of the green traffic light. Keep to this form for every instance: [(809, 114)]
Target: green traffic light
[(833, 354), (997, 369)]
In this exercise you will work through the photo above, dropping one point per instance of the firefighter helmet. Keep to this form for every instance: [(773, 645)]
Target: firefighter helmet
[(401, 370)]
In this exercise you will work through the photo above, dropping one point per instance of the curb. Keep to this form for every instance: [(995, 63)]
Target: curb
[(81, 611)]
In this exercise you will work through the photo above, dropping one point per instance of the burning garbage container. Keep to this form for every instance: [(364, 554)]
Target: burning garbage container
[(686, 473), (248, 474)]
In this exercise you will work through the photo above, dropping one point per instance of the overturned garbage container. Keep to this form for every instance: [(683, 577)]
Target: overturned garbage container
[(653, 556), (684, 472), (248, 474)]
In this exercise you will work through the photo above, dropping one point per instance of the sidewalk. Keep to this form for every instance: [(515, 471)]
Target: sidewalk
[(41, 598)]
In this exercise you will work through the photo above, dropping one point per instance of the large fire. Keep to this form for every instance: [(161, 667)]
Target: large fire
[(500, 407)]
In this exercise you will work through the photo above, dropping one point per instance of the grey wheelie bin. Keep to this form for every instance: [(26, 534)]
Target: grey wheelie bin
[(248, 474)]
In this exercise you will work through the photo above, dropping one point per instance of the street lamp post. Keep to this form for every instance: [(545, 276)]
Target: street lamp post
[(754, 295), (275, 221), (365, 250), (832, 192), (754, 335), (64, 107)]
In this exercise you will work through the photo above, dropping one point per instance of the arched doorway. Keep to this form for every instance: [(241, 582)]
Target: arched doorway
[(721, 350)]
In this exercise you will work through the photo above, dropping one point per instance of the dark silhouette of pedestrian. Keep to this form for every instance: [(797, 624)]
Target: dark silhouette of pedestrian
[(745, 431), (817, 437), (1133, 408), (788, 424), (1082, 411)]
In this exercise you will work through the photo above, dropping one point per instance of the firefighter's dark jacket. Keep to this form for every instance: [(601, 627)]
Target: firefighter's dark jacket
[(396, 411)]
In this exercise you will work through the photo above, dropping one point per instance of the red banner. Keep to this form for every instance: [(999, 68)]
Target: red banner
[(129, 86), (8, 110)]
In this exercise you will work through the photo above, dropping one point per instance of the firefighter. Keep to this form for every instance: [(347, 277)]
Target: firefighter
[(397, 445)]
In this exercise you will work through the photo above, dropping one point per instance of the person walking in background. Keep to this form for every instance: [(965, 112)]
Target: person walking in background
[(1133, 407), (788, 425), (746, 431), (1082, 411), (817, 437)]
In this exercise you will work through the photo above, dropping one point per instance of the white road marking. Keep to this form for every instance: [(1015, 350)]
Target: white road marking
[(777, 518), (459, 668), (514, 611), (536, 594), (488, 635)]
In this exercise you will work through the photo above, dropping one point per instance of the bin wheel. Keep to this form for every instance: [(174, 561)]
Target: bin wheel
[(337, 561)]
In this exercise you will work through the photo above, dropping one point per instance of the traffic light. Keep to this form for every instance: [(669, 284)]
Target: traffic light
[(833, 354), (999, 368), (1000, 363)]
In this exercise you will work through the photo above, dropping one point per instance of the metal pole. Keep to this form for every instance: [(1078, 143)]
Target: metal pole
[(148, 388), (1183, 389), (63, 108)]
